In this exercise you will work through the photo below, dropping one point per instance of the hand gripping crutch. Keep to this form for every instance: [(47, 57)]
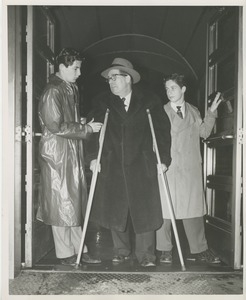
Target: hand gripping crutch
[(166, 190), (92, 187)]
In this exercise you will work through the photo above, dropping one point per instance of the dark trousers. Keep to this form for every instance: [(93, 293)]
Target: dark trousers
[(144, 244)]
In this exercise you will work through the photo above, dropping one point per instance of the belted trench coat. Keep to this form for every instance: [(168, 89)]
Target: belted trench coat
[(127, 184), (185, 172), (63, 190)]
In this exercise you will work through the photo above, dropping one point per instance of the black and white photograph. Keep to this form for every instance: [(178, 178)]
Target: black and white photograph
[(123, 149)]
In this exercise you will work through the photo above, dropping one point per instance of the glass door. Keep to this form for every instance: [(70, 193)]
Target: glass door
[(40, 64), (223, 149)]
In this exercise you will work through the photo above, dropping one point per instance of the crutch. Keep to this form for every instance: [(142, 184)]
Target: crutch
[(92, 187), (166, 190)]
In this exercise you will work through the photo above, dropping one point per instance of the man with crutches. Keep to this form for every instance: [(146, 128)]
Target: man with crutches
[(127, 190)]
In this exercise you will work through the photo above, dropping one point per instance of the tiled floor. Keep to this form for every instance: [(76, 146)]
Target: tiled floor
[(121, 283), (49, 277)]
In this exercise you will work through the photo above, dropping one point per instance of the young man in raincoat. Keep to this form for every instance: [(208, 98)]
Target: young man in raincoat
[(185, 172), (63, 192)]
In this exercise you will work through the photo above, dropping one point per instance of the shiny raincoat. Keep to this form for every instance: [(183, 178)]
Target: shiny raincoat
[(185, 172), (127, 183), (63, 191)]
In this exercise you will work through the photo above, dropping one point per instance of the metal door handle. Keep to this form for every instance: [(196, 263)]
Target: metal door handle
[(217, 138)]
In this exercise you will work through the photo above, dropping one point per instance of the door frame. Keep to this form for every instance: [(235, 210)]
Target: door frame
[(38, 235), (29, 140), (234, 229), (12, 139), (237, 155)]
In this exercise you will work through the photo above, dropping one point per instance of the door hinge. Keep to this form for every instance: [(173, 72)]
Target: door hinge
[(27, 33), (26, 84), (19, 132), (240, 136), (27, 133), (26, 183)]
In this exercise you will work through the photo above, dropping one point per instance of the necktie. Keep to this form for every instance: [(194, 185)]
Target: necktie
[(179, 112), (123, 100), (74, 89)]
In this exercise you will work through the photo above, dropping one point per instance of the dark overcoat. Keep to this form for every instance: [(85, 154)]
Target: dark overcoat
[(63, 190), (127, 183)]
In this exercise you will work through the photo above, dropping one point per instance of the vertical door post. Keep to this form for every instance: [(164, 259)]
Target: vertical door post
[(29, 140)]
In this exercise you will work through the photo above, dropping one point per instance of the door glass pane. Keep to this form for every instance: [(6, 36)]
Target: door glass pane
[(223, 165), (212, 38), (225, 84), (226, 74), (42, 28), (41, 236), (222, 209), (225, 123), (212, 79), (226, 32), (40, 67)]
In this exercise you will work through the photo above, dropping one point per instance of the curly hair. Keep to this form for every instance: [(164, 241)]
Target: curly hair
[(178, 78), (67, 56)]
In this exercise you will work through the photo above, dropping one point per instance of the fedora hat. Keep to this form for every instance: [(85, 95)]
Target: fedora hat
[(124, 65)]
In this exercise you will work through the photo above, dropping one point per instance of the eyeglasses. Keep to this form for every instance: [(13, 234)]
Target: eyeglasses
[(114, 77)]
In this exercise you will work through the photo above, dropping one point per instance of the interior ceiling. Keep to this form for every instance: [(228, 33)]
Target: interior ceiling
[(163, 39)]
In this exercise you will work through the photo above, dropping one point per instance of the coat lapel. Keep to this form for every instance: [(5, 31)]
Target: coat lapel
[(179, 124), (117, 105), (135, 103)]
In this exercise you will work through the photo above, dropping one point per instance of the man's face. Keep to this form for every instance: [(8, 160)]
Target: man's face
[(120, 83), (71, 73), (174, 92)]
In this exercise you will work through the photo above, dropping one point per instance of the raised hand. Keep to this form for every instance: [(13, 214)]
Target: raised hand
[(216, 102)]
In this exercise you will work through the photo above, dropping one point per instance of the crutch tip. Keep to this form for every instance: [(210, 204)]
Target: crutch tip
[(183, 268), (76, 266)]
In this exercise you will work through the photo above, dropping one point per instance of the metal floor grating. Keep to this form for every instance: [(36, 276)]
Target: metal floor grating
[(35, 283)]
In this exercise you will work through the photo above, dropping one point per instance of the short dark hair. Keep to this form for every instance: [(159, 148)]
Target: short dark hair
[(178, 78), (67, 56)]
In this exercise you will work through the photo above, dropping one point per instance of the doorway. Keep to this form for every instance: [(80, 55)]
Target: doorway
[(223, 185)]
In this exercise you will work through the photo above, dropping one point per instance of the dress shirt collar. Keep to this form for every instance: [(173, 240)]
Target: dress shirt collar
[(174, 107), (127, 101)]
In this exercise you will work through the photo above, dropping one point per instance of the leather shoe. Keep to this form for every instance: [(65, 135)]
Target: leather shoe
[(207, 256), (118, 259), (148, 263), (69, 261), (166, 257), (86, 258)]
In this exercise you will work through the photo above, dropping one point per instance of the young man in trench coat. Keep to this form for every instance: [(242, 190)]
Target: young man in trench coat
[(127, 186), (63, 190), (185, 172)]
